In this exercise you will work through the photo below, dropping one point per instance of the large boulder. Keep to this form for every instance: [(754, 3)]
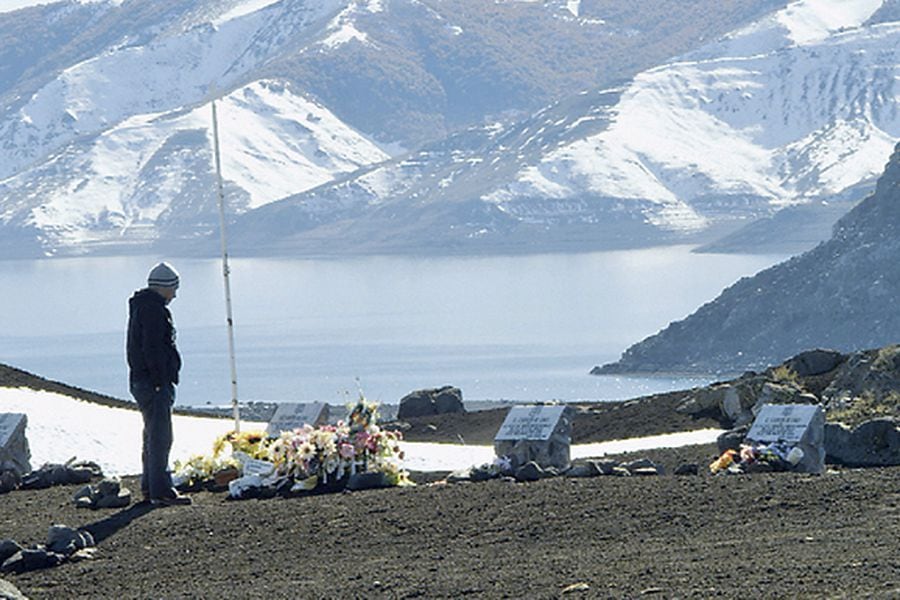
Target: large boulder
[(815, 362), (874, 443), (9, 480), (869, 373), (424, 403), (737, 403)]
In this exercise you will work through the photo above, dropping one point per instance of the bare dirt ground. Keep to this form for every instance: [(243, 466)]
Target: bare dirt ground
[(771, 535)]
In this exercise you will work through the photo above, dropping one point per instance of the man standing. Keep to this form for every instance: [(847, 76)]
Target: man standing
[(153, 365)]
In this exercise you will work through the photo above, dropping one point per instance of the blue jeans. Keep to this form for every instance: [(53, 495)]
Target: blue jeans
[(156, 408)]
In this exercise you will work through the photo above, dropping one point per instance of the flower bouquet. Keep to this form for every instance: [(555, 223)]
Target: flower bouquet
[(202, 471), (309, 458), (217, 470), (329, 455)]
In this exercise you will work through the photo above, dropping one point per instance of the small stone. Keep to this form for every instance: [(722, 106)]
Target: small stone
[(120, 500), (9, 480), (65, 540), (83, 554), (530, 471), (586, 469), (644, 471), (732, 439), (84, 502), (10, 592), (8, 548), (109, 487), (581, 586), (687, 469), (367, 481), (59, 475), (91, 466), (460, 476), (78, 475), (606, 467), (86, 491), (482, 474), (641, 463), (31, 559)]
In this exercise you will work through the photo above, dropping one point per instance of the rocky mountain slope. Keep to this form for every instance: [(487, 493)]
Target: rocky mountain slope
[(792, 112), (105, 132), (411, 125), (839, 295)]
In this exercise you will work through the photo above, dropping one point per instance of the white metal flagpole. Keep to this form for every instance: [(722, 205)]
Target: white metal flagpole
[(226, 271)]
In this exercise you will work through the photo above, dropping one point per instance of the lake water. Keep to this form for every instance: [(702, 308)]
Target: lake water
[(519, 328)]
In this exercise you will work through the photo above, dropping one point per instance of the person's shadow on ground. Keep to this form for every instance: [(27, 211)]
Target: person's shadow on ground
[(111, 525)]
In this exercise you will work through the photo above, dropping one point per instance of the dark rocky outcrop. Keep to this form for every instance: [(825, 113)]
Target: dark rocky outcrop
[(874, 443), (841, 295), (859, 392), (855, 388)]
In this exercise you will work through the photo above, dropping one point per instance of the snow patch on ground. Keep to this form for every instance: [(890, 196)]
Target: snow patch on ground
[(61, 427)]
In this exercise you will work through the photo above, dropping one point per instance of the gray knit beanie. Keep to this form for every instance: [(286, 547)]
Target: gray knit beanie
[(163, 275)]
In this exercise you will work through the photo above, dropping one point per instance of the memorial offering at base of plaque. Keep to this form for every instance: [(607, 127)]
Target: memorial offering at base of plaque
[(290, 416), (303, 459), (15, 455), (539, 433), (783, 437)]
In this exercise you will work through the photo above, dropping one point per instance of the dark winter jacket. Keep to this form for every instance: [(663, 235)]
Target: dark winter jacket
[(152, 355)]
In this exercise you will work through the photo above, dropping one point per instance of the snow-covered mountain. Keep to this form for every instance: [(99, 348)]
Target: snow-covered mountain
[(151, 176), (798, 108), (114, 152), (105, 140)]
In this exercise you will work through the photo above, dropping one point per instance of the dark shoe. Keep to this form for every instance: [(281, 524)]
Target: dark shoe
[(176, 500)]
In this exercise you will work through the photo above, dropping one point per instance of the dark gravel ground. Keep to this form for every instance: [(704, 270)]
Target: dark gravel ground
[(772, 535), (762, 536)]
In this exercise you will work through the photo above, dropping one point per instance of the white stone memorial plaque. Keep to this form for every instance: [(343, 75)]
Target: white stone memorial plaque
[(14, 452), (9, 423), (291, 416), (529, 423), (255, 466), (782, 422)]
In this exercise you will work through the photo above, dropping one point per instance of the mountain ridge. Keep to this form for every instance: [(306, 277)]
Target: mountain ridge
[(837, 295), (408, 80)]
